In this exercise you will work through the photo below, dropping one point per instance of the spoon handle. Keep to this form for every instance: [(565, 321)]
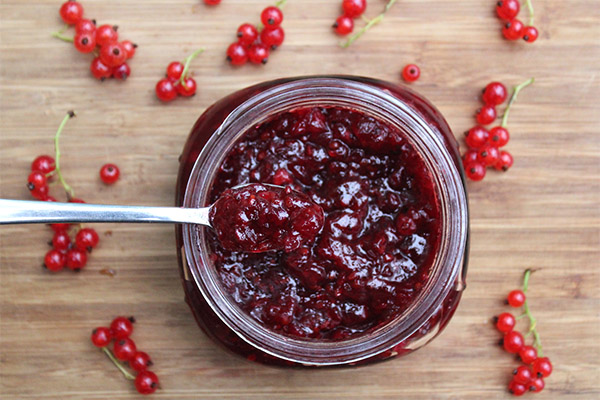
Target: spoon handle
[(46, 212)]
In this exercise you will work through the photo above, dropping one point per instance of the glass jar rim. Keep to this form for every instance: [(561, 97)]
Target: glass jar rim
[(381, 104)]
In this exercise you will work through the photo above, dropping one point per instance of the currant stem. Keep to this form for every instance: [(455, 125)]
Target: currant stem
[(68, 189), (118, 364), (513, 98), (368, 26), (530, 9), (186, 66), (59, 35), (532, 321)]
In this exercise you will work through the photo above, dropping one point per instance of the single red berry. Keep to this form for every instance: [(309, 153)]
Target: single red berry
[(54, 260), (530, 34), (109, 173), (470, 156), (86, 26), (513, 29), (36, 180), (507, 9), (76, 259), (71, 12), (476, 137), (61, 240), (475, 171), (113, 54), (237, 54), (100, 70), (86, 239), (121, 72), (44, 164), (106, 34), (247, 34), (542, 367), (258, 54), (129, 47), (76, 200), (536, 385), (505, 322), (271, 17), (212, 2), (505, 161), (124, 349), (354, 8), (122, 327), (489, 155), (59, 227), (411, 73), (272, 38), (101, 337), (494, 94), (516, 298), (498, 136), (343, 25), (513, 342), (85, 42), (486, 115), (174, 70), (146, 382), (189, 89), (522, 375), (140, 361), (516, 389), (40, 193), (528, 354), (165, 90)]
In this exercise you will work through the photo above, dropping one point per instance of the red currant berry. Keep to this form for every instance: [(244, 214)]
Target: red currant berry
[(86, 26), (470, 156), (258, 54), (516, 389), (489, 156), (101, 337), (536, 385), (542, 367), (485, 115), (106, 34), (40, 193), (121, 72), (109, 173), (476, 137), (475, 171), (61, 240), (272, 38), (507, 9), (71, 12), (86, 239), (498, 136), (530, 34), (76, 259), (113, 54), (100, 70), (522, 375), (129, 48), (513, 29), (36, 180), (124, 349), (247, 34), (528, 354), (344, 25), (189, 89), (140, 361), (76, 200), (271, 17), (85, 42), (59, 227), (146, 382), (54, 260), (165, 90), (505, 322), (122, 327), (354, 8), (174, 70), (513, 342), (505, 161), (494, 94), (212, 2), (44, 164), (411, 73), (516, 298), (237, 54)]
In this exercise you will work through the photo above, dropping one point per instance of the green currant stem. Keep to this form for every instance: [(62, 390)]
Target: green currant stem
[(513, 98), (68, 189), (368, 26), (532, 321), (59, 35), (186, 66), (278, 4), (118, 364), (530, 9)]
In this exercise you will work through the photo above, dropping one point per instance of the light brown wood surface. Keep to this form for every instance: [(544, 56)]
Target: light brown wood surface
[(544, 213)]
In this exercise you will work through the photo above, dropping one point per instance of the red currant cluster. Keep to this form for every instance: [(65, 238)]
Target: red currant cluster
[(351, 9), (125, 350), (111, 55), (483, 145), (178, 81), (529, 376), (255, 43), (513, 28)]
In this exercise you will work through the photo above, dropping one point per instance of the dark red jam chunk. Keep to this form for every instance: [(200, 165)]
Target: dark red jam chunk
[(258, 218), (381, 231)]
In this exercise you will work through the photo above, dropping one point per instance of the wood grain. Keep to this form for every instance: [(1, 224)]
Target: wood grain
[(544, 213)]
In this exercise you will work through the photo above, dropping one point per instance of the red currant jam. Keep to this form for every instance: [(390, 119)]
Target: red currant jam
[(380, 233), (256, 218)]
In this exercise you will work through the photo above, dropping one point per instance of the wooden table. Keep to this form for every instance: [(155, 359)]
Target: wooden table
[(544, 213)]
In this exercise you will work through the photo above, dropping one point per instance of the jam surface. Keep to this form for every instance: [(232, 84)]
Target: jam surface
[(258, 218), (380, 234)]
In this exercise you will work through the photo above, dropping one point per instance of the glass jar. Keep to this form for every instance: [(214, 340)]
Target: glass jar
[(214, 134)]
